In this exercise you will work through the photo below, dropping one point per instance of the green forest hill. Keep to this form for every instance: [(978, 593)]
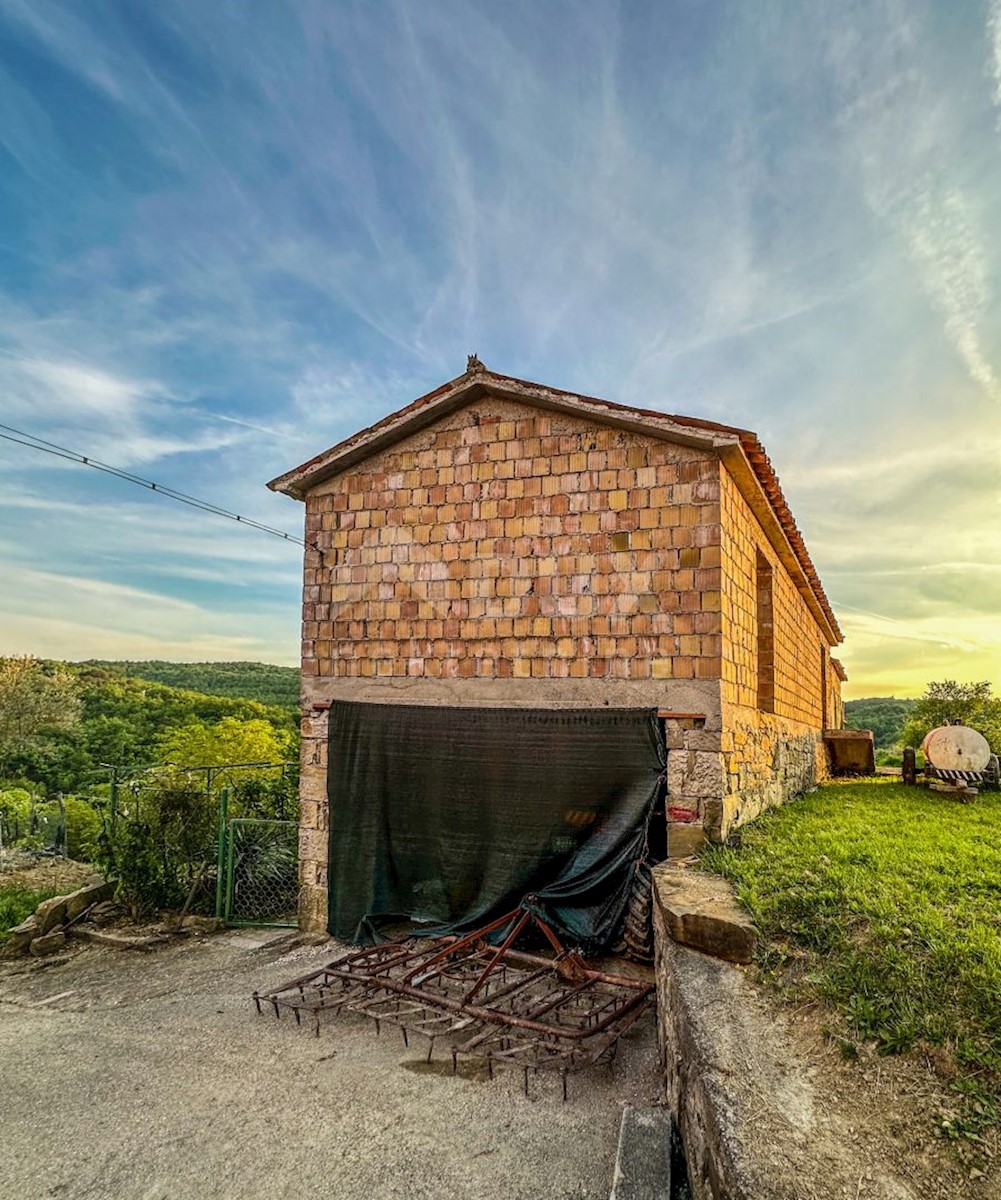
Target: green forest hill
[(85, 745), (125, 713), (128, 719), (886, 716), (263, 682), (268, 684)]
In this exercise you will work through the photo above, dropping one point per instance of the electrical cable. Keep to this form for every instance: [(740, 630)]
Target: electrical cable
[(36, 443)]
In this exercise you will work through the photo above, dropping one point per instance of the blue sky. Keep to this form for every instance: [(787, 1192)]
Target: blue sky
[(232, 234)]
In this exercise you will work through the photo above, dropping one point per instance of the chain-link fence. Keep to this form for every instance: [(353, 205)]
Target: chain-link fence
[(169, 839), (261, 876)]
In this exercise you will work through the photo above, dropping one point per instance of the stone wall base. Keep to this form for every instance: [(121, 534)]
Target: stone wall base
[(760, 1117), (313, 913)]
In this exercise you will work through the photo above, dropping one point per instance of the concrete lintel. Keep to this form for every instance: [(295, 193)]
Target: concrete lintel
[(681, 695)]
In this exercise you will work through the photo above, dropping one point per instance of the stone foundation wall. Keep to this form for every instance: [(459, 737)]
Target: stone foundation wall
[(313, 821), (766, 760)]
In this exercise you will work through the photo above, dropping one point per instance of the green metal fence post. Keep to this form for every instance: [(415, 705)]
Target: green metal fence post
[(113, 815), (228, 905), (220, 887)]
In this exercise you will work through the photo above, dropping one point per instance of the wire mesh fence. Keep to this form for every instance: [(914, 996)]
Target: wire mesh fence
[(209, 839), (261, 872)]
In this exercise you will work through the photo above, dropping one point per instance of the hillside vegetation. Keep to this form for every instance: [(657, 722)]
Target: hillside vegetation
[(264, 682), (121, 720), (886, 716), (151, 824)]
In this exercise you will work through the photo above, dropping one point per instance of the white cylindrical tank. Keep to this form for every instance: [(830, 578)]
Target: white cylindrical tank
[(956, 748)]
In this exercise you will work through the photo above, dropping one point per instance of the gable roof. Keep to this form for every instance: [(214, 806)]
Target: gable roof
[(740, 450)]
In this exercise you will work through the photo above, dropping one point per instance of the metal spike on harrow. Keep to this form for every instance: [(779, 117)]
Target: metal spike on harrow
[(476, 1000)]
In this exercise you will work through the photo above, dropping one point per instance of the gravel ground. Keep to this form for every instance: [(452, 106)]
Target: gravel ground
[(148, 1076)]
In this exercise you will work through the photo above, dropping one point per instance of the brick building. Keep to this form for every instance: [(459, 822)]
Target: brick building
[(501, 543)]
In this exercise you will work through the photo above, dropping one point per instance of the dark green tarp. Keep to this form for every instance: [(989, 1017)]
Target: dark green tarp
[(452, 816)]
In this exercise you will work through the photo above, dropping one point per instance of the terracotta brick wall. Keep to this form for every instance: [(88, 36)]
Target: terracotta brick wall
[(768, 756), (796, 638), (505, 542)]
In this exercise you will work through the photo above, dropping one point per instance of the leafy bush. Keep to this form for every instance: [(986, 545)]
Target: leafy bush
[(15, 814), (161, 842), (886, 716)]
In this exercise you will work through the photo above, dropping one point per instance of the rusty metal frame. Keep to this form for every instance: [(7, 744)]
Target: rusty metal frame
[(531, 1012)]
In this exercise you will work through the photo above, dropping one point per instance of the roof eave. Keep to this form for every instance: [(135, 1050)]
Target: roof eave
[(737, 462)]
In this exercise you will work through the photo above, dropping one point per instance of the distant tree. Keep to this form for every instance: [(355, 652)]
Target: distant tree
[(225, 742), (94, 716), (34, 698), (972, 704), (264, 682), (15, 814)]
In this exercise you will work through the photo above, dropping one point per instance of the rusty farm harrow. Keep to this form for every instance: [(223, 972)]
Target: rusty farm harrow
[(472, 999)]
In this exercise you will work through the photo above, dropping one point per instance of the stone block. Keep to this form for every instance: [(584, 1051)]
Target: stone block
[(694, 773), (48, 943), (313, 785), (50, 913), (313, 914), (20, 937), (684, 838), (700, 911), (643, 1160), (95, 893), (312, 845), (702, 739)]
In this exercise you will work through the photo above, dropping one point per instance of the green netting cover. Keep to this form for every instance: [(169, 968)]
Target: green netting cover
[(453, 816)]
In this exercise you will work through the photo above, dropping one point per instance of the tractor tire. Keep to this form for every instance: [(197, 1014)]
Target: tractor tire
[(909, 770), (636, 935)]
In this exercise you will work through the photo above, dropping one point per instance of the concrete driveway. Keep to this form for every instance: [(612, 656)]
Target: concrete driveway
[(148, 1076)]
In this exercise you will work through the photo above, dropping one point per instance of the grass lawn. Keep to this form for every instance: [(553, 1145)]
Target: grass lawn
[(894, 895), (17, 903)]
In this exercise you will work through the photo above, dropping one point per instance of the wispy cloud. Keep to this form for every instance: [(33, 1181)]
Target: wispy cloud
[(236, 235), (994, 50), (902, 134)]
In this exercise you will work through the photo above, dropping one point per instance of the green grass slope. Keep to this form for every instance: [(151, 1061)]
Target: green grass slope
[(892, 894)]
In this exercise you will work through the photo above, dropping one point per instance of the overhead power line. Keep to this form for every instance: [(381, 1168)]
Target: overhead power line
[(19, 437)]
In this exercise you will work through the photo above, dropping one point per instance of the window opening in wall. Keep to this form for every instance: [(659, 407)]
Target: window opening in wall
[(766, 634)]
